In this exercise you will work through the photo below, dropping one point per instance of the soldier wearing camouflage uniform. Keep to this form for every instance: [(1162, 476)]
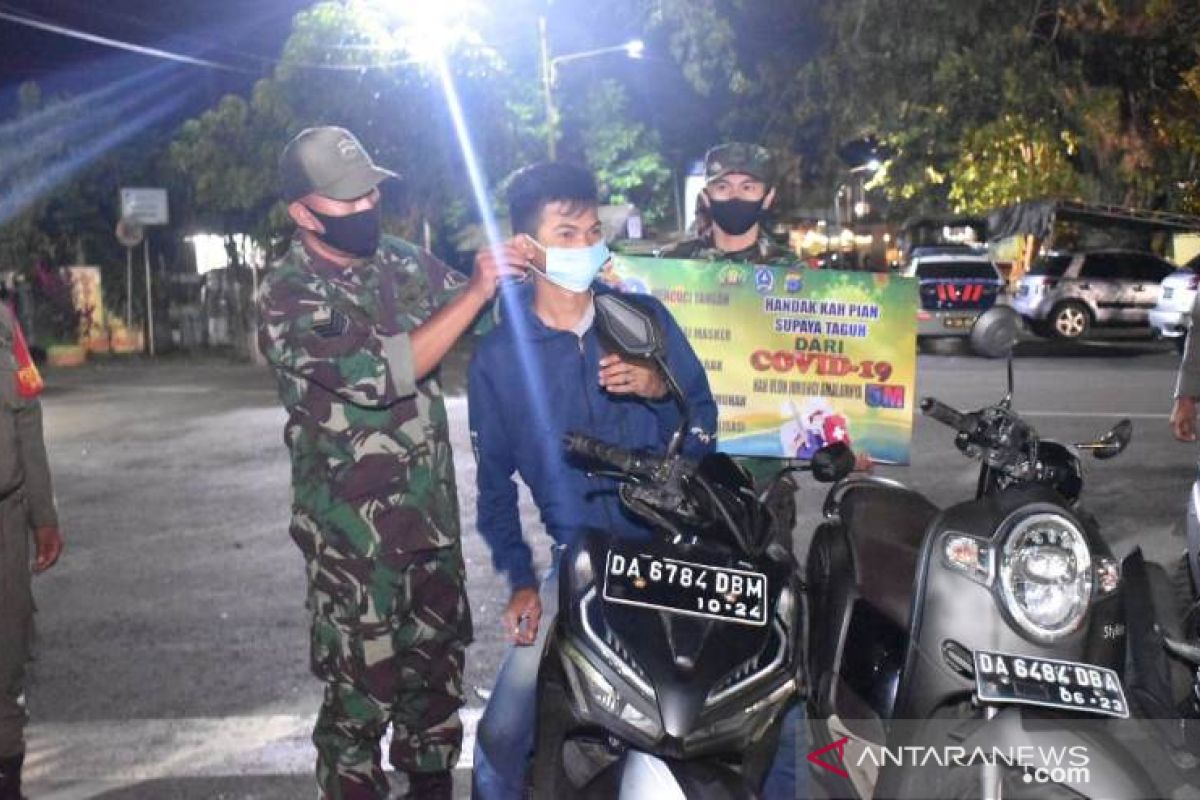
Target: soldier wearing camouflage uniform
[(353, 325), (738, 191), (26, 506)]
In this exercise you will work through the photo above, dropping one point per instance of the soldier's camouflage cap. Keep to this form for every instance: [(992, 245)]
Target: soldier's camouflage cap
[(328, 161), (738, 158)]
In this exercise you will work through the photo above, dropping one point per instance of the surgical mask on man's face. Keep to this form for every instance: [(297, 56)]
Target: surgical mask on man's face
[(574, 268), (355, 234), (735, 217)]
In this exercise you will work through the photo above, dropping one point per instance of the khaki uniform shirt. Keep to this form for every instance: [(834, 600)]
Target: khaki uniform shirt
[(24, 468)]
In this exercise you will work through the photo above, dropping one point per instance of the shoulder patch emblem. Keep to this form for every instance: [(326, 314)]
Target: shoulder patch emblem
[(329, 323)]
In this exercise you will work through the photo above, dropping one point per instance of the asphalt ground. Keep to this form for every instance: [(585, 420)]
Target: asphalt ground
[(172, 639)]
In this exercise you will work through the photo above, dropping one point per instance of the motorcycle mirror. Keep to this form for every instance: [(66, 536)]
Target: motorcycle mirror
[(626, 328), (995, 333), (633, 332), (832, 462), (1112, 443)]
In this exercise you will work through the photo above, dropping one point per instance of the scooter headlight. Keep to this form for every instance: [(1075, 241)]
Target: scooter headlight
[(597, 694), (1046, 575)]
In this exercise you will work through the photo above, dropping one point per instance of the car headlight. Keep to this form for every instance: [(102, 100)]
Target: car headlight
[(1046, 575)]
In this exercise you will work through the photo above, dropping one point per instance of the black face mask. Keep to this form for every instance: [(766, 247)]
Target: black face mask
[(354, 234), (735, 217)]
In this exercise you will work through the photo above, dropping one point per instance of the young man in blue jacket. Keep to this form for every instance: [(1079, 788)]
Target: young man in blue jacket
[(541, 374)]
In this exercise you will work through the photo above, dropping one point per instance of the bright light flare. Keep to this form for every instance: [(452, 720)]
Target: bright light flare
[(422, 30), (508, 295), (89, 134), (635, 49)]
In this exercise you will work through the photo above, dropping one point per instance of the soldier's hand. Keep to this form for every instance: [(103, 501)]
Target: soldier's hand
[(1183, 419), (522, 617), (493, 264), (49, 547), (631, 377)]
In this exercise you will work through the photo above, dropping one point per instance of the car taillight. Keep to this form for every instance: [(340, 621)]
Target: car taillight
[(924, 315), (1049, 283)]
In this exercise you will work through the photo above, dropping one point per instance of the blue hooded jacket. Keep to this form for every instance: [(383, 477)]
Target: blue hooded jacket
[(529, 385)]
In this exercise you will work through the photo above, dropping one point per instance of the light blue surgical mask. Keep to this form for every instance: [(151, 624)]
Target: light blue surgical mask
[(574, 268)]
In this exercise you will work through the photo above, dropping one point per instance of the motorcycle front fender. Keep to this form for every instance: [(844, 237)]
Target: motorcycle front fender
[(647, 777)]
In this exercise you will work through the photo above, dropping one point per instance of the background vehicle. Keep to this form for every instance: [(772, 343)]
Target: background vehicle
[(1172, 317), (1065, 295), (957, 285)]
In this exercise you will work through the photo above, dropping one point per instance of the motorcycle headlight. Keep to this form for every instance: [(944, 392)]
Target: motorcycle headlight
[(596, 693), (582, 569), (1046, 575)]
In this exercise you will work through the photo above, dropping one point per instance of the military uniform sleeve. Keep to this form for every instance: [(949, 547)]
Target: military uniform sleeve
[(497, 517), (305, 334), (39, 493), (1188, 382), (444, 282)]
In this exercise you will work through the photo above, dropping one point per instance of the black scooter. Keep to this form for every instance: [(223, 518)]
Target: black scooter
[(984, 626), (673, 661)]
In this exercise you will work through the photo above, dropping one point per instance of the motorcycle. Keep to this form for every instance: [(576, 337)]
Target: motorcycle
[(989, 625), (672, 661), (1163, 613)]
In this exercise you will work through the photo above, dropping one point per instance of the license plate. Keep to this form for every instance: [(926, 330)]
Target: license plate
[(1167, 292), (1006, 678), (957, 322), (684, 587)]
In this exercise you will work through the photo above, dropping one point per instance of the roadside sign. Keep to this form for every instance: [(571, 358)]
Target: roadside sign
[(144, 206), (130, 234)]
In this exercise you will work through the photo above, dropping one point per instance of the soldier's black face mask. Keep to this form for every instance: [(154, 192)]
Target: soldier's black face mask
[(735, 217), (354, 234)]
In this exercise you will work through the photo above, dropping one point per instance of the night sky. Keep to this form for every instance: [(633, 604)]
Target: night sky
[(245, 34)]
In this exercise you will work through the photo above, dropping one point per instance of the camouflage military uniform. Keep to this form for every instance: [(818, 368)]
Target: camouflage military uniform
[(374, 509), (764, 251), (26, 503)]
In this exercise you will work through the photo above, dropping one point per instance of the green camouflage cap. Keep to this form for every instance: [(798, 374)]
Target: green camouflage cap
[(328, 161), (738, 158)]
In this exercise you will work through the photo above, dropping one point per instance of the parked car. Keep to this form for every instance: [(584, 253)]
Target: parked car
[(956, 286), (1172, 317), (1065, 295)]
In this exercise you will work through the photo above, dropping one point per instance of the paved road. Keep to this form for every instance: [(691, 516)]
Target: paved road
[(171, 661)]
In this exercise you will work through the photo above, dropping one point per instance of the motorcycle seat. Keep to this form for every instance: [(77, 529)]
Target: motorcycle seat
[(886, 526)]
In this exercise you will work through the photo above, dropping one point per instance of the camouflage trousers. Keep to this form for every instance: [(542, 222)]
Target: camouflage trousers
[(388, 641)]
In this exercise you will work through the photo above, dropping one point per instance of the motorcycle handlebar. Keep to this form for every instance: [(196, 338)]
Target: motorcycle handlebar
[(617, 457), (948, 415)]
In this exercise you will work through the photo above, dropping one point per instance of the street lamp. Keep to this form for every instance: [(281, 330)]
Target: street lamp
[(632, 49)]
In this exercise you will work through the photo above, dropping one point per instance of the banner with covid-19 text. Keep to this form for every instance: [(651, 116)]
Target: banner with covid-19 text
[(796, 358)]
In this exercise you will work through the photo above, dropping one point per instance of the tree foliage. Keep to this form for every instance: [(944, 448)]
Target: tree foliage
[(346, 67), (1106, 90), (59, 202)]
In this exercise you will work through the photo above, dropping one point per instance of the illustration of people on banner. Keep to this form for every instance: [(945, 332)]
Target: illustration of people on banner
[(796, 358)]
